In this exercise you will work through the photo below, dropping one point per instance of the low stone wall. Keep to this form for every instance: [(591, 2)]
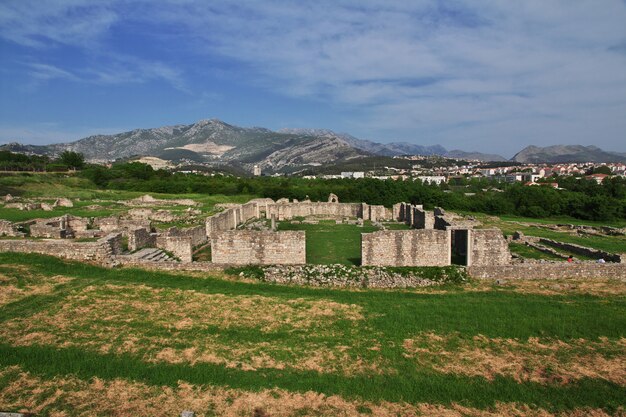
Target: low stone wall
[(583, 250), (354, 276), (129, 261), (7, 228), (50, 230), (180, 246), (99, 251), (549, 270), (406, 248), (244, 247), (113, 223)]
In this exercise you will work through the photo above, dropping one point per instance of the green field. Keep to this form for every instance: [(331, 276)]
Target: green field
[(83, 194), (509, 225), (531, 253), (330, 243), (81, 339)]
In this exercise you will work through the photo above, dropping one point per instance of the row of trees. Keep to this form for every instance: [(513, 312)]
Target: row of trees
[(10, 161), (583, 199)]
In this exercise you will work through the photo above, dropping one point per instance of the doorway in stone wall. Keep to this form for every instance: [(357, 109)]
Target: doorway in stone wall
[(460, 246)]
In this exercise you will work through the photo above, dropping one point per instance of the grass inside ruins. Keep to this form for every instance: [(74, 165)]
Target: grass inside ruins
[(330, 243), (552, 346)]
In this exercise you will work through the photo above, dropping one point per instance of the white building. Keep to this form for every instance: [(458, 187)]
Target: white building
[(353, 174), (432, 179)]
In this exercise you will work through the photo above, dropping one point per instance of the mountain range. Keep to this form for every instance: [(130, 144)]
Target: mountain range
[(215, 142)]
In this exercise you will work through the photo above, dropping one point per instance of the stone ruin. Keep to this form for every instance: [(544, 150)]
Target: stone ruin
[(435, 238)]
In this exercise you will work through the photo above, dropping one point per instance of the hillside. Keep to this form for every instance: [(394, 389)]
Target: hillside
[(566, 153)]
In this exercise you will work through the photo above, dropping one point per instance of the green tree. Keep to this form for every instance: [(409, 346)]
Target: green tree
[(72, 159)]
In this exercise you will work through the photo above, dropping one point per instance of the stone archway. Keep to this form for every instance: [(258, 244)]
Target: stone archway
[(332, 198)]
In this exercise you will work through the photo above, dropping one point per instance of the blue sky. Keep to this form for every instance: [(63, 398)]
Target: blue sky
[(490, 75)]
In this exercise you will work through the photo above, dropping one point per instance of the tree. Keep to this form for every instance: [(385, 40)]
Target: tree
[(72, 159)]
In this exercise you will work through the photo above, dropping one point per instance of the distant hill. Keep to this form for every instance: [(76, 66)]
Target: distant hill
[(208, 141), (213, 142), (566, 153), (398, 148), (474, 156)]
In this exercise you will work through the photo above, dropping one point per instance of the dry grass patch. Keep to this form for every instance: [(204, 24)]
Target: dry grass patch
[(70, 396), (18, 282), (596, 286), (537, 360), (175, 326)]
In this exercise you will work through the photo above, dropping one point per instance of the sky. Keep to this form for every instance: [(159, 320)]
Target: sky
[(490, 75)]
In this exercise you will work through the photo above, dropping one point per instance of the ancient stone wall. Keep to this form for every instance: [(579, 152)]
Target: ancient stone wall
[(76, 224), (375, 213), (99, 251), (220, 222), (406, 248), (549, 270), (179, 246), (49, 230), (287, 211), (140, 238), (423, 219), (398, 212), (488, 247), (7, 228), (243, 247), (249, 211), (197, 234), (114, 223), (583, 250)]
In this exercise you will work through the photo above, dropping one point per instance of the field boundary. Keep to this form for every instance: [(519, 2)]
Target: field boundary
[(558, 270)]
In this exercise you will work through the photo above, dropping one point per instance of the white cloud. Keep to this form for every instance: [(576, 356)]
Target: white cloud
[(445, 71)]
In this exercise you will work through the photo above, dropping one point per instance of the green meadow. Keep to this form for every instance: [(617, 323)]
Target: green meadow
[(477, 346)]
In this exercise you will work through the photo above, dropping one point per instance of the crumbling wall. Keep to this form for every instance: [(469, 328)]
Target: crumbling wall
[(99, 251), (488, 247), (220, 222), (140, 238), (583, 250), (48, 229), (287, 211), (197, 234), (375, 212), (249, 211), (423, 219), (114, 223), (243, 247), (406, 248), (76, 224), (7, 228), (549, 270), (179, 246)]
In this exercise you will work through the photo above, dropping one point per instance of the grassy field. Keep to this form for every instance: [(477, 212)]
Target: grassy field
[(531, 253), (508, 225), (82, 340), (91, 202), (330, 243)]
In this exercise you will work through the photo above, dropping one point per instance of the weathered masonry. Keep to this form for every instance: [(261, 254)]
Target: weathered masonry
[(435, 238), (439, 239), (258, 247), (406, 248)]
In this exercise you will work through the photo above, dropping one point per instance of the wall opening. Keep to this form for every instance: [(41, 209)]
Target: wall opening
[(460, 247)]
